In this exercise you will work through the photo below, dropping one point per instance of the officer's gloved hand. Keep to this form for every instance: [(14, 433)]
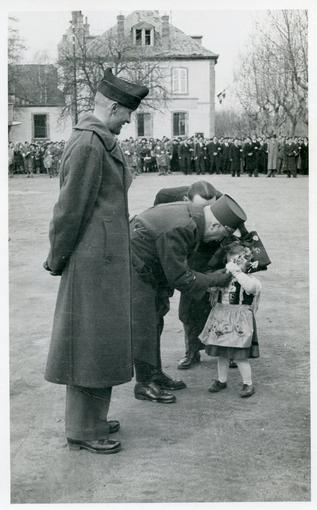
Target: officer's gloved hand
[(219, 278)]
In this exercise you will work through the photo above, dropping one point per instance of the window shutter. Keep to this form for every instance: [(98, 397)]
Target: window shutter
[(179, 81), (183, 81), (175, 84)]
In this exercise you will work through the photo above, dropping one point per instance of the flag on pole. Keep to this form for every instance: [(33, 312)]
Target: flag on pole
[(221, 96)]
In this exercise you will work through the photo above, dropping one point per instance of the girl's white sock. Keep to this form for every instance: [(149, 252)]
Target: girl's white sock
[(245, 371)]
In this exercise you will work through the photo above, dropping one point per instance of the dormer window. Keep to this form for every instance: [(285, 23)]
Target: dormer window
[(143, 35), (147, 37), (138, 37)]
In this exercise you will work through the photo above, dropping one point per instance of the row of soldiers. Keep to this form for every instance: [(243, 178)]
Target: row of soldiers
[(40, 157), (196, 154)]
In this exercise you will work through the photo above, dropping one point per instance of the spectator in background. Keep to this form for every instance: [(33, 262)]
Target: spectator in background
[(304, 156), (235, 156), (291, 153), (272, 149), (48, 163), (281, 155), (28, 159)]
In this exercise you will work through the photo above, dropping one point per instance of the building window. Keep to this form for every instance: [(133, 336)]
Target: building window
[(180, 121), (179, 80), (40, 126), (147, 37), (143, 36), (138, 37), (144, 124)]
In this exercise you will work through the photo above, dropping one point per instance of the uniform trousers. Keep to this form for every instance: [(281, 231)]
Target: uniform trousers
[(149, 305), (86, 413), (192, 342)]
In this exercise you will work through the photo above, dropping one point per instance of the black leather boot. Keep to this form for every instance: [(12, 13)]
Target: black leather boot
[(165, 382), (190, 359), (152, 392)]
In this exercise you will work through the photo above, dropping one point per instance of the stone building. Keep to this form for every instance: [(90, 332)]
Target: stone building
[(36, 104), (186, 69), (183, 69)]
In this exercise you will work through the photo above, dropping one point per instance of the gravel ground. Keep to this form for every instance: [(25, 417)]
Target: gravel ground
[(204, 448)]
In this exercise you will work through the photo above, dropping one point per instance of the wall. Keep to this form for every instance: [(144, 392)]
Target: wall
[(57, 129), (199, 102)]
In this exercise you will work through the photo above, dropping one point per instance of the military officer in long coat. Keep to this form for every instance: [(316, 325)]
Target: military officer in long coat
[(91, 348)]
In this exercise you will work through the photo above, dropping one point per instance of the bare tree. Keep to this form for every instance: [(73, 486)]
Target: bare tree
[(16, 48), (82, 63), (272, 82)]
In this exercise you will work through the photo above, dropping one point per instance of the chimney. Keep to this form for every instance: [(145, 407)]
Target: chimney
[(120, 27), (165, 31), (77, 18), (86, 27), (197, 38)]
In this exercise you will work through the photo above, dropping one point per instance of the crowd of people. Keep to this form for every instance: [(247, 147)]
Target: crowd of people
[(40, 157), (198, 155), (269, 156)]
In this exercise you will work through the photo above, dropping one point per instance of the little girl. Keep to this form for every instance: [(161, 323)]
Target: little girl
[(230, 330)]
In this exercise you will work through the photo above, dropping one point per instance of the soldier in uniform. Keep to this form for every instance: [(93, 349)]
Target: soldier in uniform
[(175, 156), (214, 155), (185, 157), (226, 163), (249, 151), (235, 158), (91, 344), (304, 156), (162, 240), (291, 153), (199, 156)]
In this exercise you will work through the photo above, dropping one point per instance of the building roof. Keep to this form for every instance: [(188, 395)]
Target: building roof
[(35, 84), (179, 45)]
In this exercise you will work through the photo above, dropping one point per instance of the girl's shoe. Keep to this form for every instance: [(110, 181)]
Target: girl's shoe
[(247, 390), (217, 386)]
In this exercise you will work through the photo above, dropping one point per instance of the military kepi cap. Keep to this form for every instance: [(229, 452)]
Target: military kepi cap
[(228, 212), (124, 92)]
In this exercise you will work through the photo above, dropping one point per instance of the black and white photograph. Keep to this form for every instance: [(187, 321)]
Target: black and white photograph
[(158, 302)]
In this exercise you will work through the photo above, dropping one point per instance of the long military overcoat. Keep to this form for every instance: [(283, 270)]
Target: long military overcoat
[(89, 238), (272, 148)]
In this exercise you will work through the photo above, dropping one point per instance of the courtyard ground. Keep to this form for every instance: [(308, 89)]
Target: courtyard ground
[(205, 447)]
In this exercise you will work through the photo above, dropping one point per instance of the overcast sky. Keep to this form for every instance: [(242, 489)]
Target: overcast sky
[(224, 32)]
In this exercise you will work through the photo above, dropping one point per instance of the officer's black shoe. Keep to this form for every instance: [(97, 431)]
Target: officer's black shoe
[(190, 359), (152, 392), (103, 446), (167, 383)]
